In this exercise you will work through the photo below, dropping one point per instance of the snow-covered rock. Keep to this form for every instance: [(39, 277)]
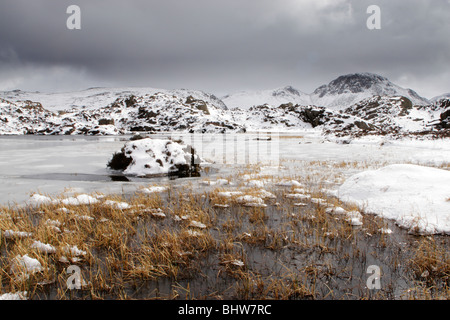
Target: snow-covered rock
[(145, 157), (416, 197)]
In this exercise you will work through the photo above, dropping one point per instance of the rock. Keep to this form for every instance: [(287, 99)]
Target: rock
[(313, 116), (199, 104), (104, 122), (363, 125)]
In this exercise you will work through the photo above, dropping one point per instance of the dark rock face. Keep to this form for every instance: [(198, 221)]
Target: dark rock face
[(145, 113), (444, 116), (119, 161), (364, 126), (314, 116), (104, 122)]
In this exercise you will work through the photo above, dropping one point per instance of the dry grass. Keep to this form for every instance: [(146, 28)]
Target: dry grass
[(180, 241)]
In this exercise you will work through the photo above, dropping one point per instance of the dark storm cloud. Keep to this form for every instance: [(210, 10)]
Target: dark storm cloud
[(222, 46)]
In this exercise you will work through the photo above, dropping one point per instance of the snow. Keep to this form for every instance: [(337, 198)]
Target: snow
[(416, 197), (38, 199), (43, 247), (298, 196), (289, 183), (16, 234), (196, 224), (265, 194), (158, 213), (255, 183), (117, 205), (218, 182), (153, 189), (82, 199), (74, 251), (14, 296), (229, 194), (83, 217), (25, 265)]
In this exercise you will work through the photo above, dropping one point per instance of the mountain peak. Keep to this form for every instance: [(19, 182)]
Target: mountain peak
[(288, 90), (353, 83), (351, 88)]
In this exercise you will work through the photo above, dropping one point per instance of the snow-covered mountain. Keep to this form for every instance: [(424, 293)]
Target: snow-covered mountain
[(340, 93), (248, 99), (349, 89), (357, 104), (443, 96), (95, 98)]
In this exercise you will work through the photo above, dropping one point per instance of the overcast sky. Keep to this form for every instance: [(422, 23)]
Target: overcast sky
[(222, 46)]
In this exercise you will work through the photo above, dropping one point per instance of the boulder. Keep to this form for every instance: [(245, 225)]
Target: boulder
[(155, 157), (198, 104), (105, 122)]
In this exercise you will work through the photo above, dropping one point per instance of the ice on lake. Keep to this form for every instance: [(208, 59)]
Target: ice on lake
[(77, 164)]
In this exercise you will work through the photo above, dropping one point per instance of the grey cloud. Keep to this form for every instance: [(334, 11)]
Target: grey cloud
[(222, 46)]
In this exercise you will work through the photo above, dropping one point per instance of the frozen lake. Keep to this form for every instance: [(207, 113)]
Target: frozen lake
[(77, 164)]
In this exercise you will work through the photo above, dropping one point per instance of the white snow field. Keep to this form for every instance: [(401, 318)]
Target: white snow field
[(416, 197)]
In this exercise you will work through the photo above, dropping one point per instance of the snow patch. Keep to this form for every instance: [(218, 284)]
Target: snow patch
[(414, 196)]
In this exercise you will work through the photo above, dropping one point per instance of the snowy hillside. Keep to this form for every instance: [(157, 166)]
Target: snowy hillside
[(25, 118), (392, 113), (150, 113), (443, 96), (95, 98), (248, 99)]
